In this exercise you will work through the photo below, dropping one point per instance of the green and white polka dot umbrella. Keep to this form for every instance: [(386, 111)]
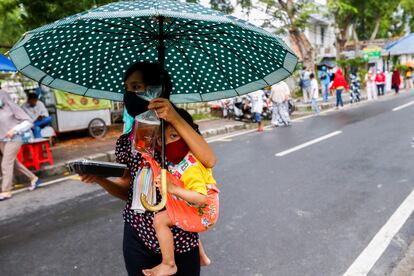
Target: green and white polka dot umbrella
[(209, 55)]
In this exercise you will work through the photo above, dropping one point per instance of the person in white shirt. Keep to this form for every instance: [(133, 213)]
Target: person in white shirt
[(314, 93), (279, 95), (257, 101), (38, 112)]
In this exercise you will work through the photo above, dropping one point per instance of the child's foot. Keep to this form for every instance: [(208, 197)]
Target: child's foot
[(205, 261), (161, 270)]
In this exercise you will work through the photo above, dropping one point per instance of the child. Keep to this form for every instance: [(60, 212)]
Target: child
[(192, 202), (314, 93)]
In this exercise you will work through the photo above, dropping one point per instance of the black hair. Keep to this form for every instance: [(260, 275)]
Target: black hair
[(312, 75), (32, 96), (151, 74), (187, 117)]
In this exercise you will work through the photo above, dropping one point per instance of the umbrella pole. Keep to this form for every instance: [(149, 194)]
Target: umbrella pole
[(161, 59)]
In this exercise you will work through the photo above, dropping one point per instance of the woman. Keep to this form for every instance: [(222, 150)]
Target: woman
[(339, 85), (396, 80), (140, 246), (13, 122), (370, 84)]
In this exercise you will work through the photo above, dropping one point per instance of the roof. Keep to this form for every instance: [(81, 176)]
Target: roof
[(403, 46)]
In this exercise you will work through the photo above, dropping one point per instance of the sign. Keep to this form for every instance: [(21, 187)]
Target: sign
[(373, 52), (72, 102)]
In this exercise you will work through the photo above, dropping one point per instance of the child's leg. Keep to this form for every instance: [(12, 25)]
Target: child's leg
[(204, 259), (162, 225)]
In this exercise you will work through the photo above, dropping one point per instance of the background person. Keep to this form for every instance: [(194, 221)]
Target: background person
[(325, 81), (257, 104), (339, 85), (13, 122), (305, 84), (380, 82), (314, 93), (396, 80), (38, 112), (409, 78), (370, 84), (279, 95)]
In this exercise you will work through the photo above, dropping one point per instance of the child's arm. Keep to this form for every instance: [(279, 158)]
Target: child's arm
[(189, 196), (192, 197)]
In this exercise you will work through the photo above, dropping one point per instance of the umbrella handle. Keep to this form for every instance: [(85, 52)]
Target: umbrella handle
[(161, 205)]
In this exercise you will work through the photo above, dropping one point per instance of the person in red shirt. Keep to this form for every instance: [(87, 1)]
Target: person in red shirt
[(339, 85), (396, 80), (380, 82)]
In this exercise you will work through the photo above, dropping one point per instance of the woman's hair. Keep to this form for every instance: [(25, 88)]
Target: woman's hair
[(151, 74), (187, 117)]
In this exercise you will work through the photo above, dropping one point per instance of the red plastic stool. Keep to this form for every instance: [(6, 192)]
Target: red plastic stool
[(33, 154)]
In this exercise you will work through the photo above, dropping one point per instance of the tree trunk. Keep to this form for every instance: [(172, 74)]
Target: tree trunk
[(376, 29), (356, 41), (302, 48), (341, 39)]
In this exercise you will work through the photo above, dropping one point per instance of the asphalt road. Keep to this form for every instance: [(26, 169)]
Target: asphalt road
[(310, 212)]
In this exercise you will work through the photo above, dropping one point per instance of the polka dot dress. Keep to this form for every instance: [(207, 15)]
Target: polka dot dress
[(142, 223), (209, 55)]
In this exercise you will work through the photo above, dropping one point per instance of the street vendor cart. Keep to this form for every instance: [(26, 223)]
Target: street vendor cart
[(72, 112)]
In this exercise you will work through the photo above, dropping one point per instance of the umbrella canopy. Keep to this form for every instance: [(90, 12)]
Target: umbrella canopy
[(6, 65), (209, 55), (403, 46)]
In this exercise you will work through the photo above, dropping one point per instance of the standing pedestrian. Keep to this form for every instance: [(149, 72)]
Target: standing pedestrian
[(325, 81), (314, 93), (409, 78), (380, 82), (396, 80), (14, 122), (339, 85), (140, 246), (257, 103), (370, 84), (305, 84), (279, 95)]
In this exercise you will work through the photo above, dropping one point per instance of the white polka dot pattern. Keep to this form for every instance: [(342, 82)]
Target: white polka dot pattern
[(142, 223), (208, 54)]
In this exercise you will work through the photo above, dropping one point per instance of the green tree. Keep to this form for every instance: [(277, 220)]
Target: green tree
[(293, 17), (11, 26)]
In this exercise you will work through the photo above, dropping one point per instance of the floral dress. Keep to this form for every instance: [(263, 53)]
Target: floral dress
[(143, 222)]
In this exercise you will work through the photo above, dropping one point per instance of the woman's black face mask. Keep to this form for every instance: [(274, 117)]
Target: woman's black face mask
[(134, 105)]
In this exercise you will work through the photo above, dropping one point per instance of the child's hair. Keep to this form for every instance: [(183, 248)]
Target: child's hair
[(312, 76), (187, 117)]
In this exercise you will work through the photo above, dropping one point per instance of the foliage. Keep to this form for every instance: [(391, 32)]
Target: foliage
[(224, 6), (293, 15), (10, 24)]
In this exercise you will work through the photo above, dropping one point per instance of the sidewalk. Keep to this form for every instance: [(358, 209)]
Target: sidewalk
[(69, 148)]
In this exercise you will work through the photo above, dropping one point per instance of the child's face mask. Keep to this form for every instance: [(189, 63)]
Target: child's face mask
[(176, 151)]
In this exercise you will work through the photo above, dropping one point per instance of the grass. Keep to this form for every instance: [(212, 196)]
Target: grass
[(199, 117)]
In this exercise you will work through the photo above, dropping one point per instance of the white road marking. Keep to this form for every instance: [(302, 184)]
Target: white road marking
[(309, 143), (366, 260), (403, 106)]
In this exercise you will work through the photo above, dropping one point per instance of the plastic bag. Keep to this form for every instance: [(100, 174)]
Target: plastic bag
[(145, 133)]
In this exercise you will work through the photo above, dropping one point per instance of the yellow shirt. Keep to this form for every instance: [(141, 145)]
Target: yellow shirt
[(193, 174)]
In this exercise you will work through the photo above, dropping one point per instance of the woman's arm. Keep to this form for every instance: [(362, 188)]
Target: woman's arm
[(118, 187), (198, 146)]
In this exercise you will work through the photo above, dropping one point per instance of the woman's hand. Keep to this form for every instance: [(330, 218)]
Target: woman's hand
[(90, 179), (170, 186), (10, 134), (164, 109)]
